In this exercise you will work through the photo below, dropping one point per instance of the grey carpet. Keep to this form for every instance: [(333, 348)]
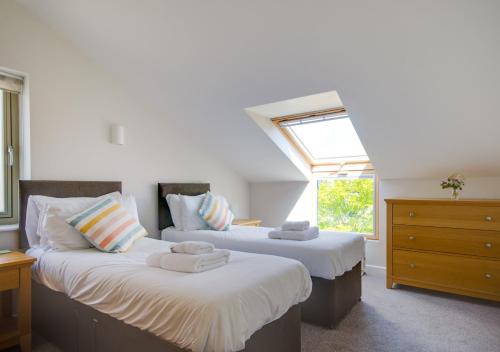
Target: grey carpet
[(402, 319), (409, 320)]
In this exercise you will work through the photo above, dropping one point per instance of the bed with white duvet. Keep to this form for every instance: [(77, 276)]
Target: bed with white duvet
[(328, 256), (217, 310), (186, 212)]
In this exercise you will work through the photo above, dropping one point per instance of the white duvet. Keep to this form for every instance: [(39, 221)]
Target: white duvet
[(328, 256), (216, 310)]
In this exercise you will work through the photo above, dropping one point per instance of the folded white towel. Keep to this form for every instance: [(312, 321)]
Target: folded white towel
[(154, 259), (189, 263), (192, 247), (295, 226), (306, 235)]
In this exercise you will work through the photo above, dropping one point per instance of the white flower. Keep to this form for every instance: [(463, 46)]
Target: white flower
[(457, 177)]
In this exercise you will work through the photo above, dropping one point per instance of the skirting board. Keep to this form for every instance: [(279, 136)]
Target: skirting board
[(375, 269)]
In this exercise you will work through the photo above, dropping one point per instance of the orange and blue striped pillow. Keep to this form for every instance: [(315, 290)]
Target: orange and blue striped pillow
[(216, 213), (108, 226)]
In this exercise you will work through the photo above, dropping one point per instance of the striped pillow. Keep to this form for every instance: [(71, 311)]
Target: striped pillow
[(108, 226), (216, 213)]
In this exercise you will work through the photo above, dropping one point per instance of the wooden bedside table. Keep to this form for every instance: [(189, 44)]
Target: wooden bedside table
[(247, 222), (15, 273)]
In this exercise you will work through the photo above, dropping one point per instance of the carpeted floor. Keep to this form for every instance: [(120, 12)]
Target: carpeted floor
[(402, 319), (409, 320)]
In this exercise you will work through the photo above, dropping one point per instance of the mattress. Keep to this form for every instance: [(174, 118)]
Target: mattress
[(217, 310), (328, 256)]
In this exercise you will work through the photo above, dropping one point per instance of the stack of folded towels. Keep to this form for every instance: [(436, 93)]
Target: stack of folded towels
[(189, 257), (296, 231)]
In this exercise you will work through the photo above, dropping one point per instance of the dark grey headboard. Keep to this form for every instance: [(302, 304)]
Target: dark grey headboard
[(188, 189), (60, 189)]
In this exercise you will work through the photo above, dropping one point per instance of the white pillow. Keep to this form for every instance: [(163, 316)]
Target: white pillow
[(174, 204), (190, 218), (70, 205), (56, 233), (128, 202), (31, 222)]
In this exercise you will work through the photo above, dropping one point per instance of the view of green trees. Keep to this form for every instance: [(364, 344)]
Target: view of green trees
[(346, 204)]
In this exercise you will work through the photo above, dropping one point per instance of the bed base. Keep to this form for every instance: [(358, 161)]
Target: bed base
[(331, 300), (73, 326)]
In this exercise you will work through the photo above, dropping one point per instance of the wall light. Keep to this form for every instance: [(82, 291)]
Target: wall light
[(117, 134)]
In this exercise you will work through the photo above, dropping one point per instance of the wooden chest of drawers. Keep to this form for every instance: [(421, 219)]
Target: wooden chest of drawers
[(445, 245)]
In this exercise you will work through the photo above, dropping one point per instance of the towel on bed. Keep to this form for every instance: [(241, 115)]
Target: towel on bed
[(295, 226), (192, 247), (306, 235), (188, 263)]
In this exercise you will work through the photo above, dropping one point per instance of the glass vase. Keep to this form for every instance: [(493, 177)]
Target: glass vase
[(454, 194)]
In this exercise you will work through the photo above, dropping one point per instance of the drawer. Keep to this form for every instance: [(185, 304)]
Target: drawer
[(447, 271), (446, 215), (9, 279), (441, 239)]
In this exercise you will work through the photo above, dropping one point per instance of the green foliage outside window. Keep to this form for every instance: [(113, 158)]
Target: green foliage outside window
[(346, 204)]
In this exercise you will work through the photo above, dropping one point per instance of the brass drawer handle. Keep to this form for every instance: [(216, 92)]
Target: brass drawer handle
[(488, 218), (412, 214), (488, 275), (411, 237), (488, 245), (413, 266)]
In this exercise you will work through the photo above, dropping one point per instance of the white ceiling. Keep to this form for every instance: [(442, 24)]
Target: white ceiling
[(420, 79)]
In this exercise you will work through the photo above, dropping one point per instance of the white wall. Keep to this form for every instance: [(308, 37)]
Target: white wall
[(274, 202), (420, 79), (73, 102)]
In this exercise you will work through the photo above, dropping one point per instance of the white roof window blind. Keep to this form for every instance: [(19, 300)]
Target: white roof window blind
[(326, 139)]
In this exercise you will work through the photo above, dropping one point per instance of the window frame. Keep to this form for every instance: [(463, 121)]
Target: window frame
[(331, 169), (314, 165), (376, 185), (11, 138)]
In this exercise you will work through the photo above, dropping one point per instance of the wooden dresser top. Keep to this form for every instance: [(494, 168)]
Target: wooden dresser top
[(444, 201)]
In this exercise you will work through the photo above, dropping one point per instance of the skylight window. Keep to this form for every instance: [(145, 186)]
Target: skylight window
[(347, 186), (325, 138), (332, 139)]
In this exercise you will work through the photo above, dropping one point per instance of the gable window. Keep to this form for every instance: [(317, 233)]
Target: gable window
[(10, 88), (346, 181), (347, 203)]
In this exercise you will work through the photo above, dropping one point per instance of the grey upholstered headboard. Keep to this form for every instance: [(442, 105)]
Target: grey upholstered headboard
[(188, 189), (60, 189)]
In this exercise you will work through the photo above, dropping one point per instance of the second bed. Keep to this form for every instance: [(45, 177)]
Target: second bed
[(333, 259)]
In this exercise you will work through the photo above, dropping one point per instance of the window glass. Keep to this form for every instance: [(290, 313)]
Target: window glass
[(329, 140), (9, 161), (347, 204)]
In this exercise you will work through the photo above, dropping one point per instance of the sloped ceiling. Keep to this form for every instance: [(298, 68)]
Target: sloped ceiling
[(420, 79)]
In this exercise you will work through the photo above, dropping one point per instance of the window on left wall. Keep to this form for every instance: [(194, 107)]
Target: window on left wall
[(10, 88)]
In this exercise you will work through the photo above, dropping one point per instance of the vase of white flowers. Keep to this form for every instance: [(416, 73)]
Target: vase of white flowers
[(456, 182)]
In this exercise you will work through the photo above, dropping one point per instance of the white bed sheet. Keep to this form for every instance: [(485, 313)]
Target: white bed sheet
[(217, 310), (328, 256)]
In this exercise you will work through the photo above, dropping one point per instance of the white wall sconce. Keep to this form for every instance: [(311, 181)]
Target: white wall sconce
[(117, 134)]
